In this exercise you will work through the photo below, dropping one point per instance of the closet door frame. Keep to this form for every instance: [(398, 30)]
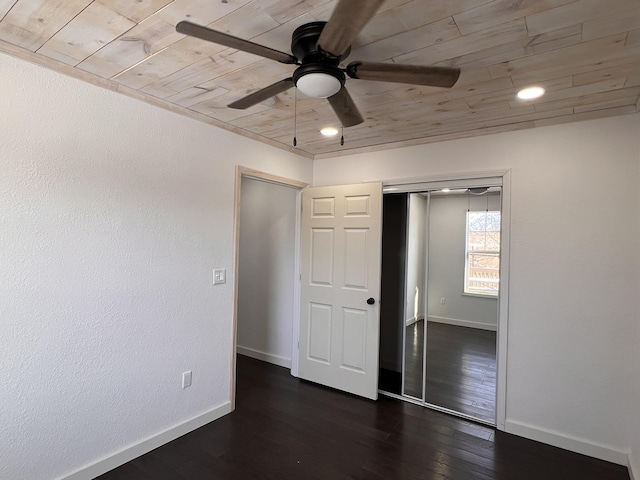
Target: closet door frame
[(501, 179)]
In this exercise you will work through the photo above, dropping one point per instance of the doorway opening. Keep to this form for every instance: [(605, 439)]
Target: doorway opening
[(267, 268), (441, 297)]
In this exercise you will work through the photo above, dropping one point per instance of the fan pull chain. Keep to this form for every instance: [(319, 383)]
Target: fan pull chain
[(342, 135), (295, 117)]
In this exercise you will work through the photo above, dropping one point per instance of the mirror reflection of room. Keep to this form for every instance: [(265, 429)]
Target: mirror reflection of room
[(452, 273), (416, 288)]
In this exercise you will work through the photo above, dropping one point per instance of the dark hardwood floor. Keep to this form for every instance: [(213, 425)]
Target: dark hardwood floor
[(461, 368), (285, 428)]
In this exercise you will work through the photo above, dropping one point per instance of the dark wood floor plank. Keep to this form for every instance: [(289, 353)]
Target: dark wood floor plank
[(285, 428), (461, 368)]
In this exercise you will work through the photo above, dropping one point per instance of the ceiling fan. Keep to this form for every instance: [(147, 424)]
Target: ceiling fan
[(318, 48)]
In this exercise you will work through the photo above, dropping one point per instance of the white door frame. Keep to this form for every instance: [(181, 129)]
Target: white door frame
[(480, 179), (287, 182)]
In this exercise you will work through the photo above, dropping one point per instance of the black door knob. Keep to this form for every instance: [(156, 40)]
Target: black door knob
[(370, 301)]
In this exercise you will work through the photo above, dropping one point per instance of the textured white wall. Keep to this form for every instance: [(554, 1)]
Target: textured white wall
[(573, 277), (113, 214), (266, 269), (447, 232), (635, 410)]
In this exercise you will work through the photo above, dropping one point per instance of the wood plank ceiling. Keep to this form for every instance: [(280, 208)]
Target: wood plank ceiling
[(585, 53)]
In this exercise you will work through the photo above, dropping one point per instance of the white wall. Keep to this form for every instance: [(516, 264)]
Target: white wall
[(635, 409), (113, 215), (447, 234), (266, 271), (416, 258), (573, 276)]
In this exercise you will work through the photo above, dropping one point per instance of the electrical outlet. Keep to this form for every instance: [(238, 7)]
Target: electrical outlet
[(219, 276), (443, 300), (186, 379)]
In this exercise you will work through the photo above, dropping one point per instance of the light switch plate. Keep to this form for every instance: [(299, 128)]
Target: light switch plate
[(186, 379), (219, 276)]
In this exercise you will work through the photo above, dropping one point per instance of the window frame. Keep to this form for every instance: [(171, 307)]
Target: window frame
[(467, 252)]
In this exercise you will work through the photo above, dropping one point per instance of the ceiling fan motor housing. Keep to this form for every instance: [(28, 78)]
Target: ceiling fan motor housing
[(318, 75), (304, 45)]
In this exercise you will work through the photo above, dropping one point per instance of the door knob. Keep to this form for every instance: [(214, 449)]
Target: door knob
[(370, 301)]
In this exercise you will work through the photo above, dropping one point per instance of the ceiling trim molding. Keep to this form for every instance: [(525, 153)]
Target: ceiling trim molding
[(422, 141), (480, 132), (70, 71), (114, 86)]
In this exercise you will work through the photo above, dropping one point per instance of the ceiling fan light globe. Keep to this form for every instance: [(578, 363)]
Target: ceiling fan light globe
[(319, 85)]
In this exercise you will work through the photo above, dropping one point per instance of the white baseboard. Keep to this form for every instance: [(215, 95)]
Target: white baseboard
[(464, 323), (634, 468), (568, 442), (412, 320), (265, 357), (131, 452)]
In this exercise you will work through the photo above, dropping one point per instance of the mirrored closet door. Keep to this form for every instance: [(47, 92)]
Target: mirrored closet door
[(449, 308)]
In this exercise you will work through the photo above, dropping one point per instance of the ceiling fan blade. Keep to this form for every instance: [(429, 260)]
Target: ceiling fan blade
[(347, 20), (413, 74), (230, 41), (345, 108), (263, 94)]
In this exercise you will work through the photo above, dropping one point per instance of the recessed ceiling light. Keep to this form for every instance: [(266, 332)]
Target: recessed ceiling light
[(329, 131), (445, 190), (530, 93), (269, 101)]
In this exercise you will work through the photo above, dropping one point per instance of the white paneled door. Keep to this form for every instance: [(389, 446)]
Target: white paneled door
[(339, 318)]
